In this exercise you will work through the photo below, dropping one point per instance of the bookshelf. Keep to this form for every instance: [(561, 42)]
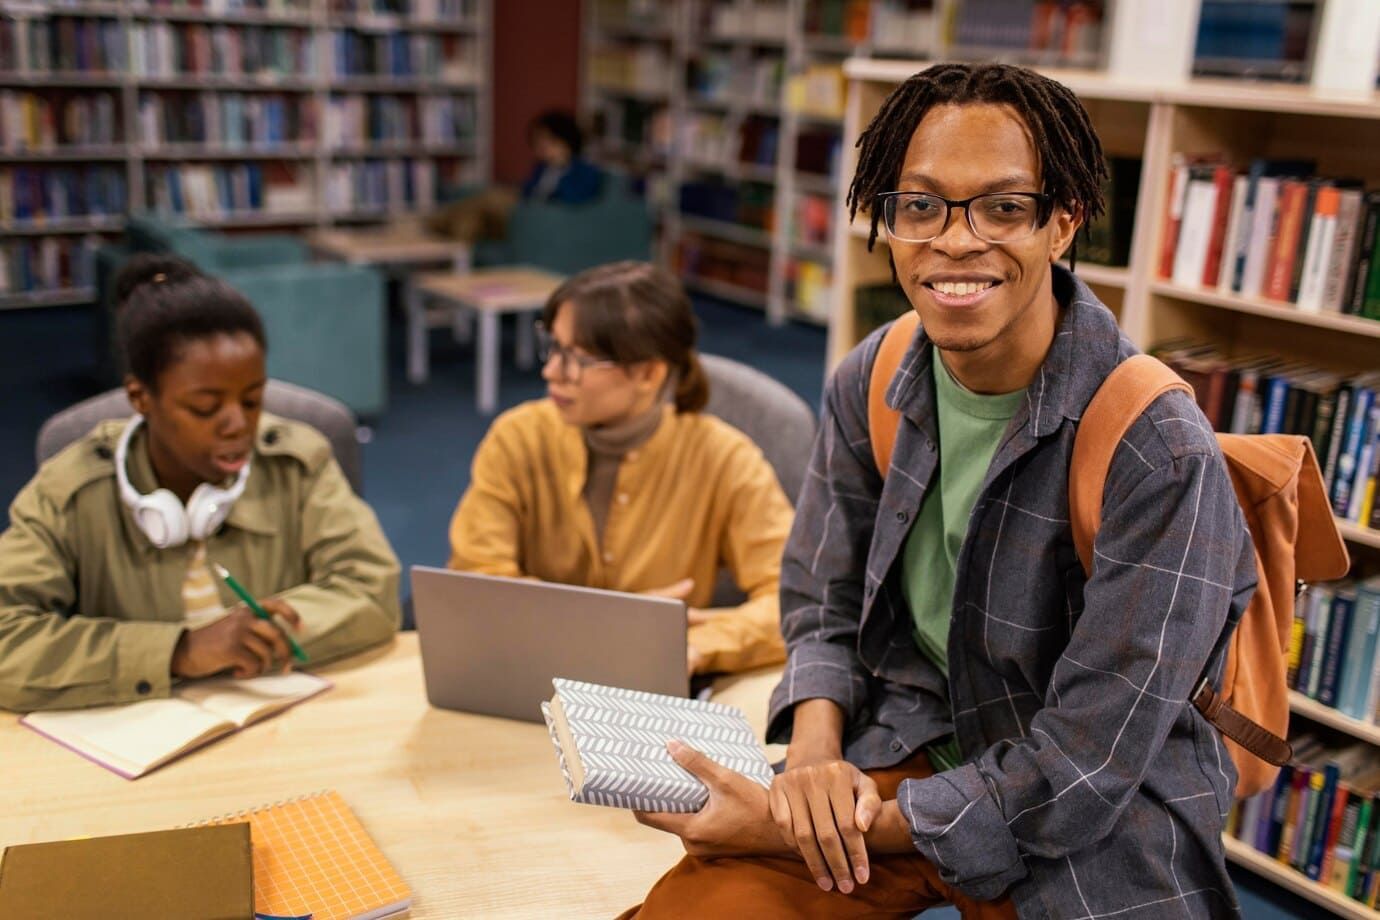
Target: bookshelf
[(1152, 123), (246, 113), (711, 99)]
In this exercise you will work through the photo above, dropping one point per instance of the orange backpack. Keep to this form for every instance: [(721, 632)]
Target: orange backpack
[(1280, 490)]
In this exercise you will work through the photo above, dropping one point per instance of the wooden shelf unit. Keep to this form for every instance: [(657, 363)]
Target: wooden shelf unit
[(467, 160)]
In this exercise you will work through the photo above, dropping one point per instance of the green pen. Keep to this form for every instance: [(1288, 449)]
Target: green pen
[(260, 612)]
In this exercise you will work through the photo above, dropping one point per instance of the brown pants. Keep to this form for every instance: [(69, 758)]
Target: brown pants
[(900, 886)]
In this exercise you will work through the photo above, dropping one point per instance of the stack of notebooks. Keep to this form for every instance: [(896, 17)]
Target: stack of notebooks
[(307, 857), (611, 745)]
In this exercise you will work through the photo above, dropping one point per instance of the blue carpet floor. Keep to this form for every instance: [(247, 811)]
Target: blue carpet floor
[(417, 463)]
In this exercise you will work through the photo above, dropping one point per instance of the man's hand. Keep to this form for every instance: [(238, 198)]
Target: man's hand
[(239, 641), (821, 808), (734, 822)]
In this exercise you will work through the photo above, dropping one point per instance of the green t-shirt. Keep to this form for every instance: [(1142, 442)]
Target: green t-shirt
[(971, 426)]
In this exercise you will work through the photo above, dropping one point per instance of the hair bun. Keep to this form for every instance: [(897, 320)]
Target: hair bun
[(146, 268)]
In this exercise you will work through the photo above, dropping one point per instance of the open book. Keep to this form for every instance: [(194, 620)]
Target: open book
[(611, 745), (135, 738)]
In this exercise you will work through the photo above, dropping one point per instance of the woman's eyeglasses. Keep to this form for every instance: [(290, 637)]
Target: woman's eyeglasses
[(572, 364)]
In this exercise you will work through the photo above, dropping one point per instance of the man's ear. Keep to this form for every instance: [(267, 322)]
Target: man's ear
[(1065, 224), (139, 396)]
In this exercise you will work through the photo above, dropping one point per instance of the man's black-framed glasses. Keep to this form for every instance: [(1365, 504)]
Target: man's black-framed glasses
[(572, 363), (997, 217)]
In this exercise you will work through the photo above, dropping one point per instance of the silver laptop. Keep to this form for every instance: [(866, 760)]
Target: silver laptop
[(491, 645)]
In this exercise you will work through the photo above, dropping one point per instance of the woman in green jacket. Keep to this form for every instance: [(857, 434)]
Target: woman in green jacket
[(107, 587)]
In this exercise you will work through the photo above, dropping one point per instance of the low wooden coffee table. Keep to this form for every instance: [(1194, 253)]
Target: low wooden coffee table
[(488, 293)]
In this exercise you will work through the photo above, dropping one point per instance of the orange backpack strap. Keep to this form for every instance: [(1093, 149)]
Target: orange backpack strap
[(1126, 393), (882, 420)]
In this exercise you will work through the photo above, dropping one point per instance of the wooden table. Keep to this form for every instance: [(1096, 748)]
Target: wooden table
[(399, 252), (471, 810), (489, 293)]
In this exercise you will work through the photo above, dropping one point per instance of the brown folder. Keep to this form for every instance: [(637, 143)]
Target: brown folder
[(201, 872)]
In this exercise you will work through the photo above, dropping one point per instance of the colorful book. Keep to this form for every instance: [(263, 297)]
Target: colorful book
[(611, 745), (313, 858)]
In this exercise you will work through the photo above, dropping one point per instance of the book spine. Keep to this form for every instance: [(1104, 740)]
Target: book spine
[(1317, 841), (1327, 602), (1356, 286), (1362, 399), (1343, 606), (1288, 226)]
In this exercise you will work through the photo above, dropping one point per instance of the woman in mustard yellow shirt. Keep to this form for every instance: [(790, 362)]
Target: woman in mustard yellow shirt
[(617, 479)]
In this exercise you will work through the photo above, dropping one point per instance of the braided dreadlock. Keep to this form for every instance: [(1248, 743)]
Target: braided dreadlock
[(1069, 152)]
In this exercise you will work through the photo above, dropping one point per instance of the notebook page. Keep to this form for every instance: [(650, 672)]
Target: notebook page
[(245, 701), (134, 738)]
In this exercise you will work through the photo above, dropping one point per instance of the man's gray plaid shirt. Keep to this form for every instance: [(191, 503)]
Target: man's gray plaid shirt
[(1090, 787)]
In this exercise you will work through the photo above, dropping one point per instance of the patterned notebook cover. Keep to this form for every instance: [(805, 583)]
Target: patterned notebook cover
[(312, 856), (621, 737)]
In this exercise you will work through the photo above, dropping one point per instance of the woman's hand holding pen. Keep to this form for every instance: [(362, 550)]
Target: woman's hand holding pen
[(239, 641)]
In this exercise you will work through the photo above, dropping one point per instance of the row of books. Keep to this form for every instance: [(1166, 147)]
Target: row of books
[(746, 204), (401, 54), (62, 43), (1107, 240), (730, 79), (818, 90), (1276, 231), (381, 185), (812, 220), (875, 305), (817, 151), (715, 260), (706, 137), (1332, 648), (226, 119), (1321, 817), (762, 20), (635, 14), (1235, 37), (646, 127), (49, 264), (1264, 395), (34, 121), (353, 120), (810, 285), (416, 10), (213, 192), (30, 195), (1069, 30), (886, 25), (285, 7), (172, 49), (641, 69)]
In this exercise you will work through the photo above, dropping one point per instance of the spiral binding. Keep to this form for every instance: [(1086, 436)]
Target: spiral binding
[(234, 816)]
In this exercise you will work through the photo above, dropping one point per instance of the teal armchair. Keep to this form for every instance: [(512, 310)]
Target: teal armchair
[(326, 322), (326, 328), (570, 238)]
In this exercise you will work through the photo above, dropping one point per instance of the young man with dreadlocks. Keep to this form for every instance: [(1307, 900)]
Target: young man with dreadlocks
[(970, 719)]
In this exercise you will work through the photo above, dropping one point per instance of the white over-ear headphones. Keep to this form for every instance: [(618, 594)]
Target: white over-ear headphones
[(161, 516)]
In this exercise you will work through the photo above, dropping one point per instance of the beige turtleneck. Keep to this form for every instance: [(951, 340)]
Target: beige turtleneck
[(608, 445)]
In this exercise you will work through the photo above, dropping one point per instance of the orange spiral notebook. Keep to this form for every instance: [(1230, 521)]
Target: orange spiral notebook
[(313, 858)]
